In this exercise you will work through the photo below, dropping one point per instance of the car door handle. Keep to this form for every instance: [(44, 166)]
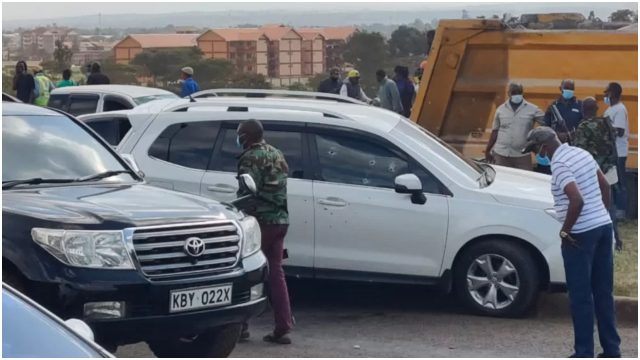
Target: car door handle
[(222, 188), (333, 202)]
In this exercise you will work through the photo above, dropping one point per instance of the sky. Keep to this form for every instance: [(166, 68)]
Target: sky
[(23, 10), (23, 13)]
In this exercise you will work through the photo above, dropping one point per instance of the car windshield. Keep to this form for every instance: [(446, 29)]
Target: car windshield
[(145, 99), (53, 147), (468, 166), (28, 332)]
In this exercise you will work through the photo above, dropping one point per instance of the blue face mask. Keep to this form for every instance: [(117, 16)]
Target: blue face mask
[(607, 100), (238, 143), (567, 94), (516, 99), (543, 160)]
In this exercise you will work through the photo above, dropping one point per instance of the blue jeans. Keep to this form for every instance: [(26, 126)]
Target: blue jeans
[(589, 270), (620, 189)]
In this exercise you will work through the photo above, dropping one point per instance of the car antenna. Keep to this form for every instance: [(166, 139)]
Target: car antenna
[(191, 99)]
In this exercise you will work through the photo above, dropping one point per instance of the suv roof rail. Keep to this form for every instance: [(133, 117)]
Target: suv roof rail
[(246, 105), (260, 93)]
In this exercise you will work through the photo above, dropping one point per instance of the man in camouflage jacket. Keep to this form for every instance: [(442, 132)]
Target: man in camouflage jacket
[(597, 136), (268, 168)]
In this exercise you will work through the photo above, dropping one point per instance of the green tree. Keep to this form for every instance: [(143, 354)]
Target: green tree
[(121, 73), (407, 41), (368, 52), (247, 81), (165, 65), (212, 73), (62, 56), (624, 15)]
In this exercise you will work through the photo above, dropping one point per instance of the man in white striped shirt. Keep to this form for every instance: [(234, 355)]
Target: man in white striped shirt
[(581, 196)]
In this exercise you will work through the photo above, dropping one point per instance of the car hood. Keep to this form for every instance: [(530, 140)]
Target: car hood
[(136, 205), (521, 188)]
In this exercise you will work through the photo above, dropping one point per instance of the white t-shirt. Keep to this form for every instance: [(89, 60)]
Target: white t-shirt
[(571, 164), (620, 119)]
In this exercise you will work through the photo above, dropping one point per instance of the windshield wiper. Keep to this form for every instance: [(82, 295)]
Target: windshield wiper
[(34, 181), (104, 175)]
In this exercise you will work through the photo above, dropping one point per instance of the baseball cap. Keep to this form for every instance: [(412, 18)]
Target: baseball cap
[(537, 136), (187, 70), (354, 74)]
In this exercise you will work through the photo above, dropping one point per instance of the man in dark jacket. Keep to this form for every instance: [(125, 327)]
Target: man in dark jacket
[(268, 168), (564, 114), (96, 77), (333, 84), (23, 83), (406, 88)]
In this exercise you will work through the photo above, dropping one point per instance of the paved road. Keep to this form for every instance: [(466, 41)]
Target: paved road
[(337, 319)]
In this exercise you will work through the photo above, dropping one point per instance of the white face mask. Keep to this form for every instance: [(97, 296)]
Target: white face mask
[(516, 99)]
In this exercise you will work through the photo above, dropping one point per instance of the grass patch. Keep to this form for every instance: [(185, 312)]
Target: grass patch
[(626, 262)]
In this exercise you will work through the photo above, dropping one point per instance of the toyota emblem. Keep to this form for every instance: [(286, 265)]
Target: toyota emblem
[(194, 247)]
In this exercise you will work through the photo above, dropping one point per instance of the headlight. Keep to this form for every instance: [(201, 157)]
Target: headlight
[(552, 213), (251, 236), (91, 249)]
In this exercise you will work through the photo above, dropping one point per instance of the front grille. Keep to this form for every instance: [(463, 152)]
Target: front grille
[(161, 250)]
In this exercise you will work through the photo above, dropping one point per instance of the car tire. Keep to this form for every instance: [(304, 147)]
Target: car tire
[(488, 272), (213, 343)]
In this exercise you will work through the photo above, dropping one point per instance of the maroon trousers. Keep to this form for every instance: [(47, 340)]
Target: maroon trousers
[(272, 247)]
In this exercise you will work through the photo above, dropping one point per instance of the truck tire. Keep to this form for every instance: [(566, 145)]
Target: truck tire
[(497, 278), (216, 343)]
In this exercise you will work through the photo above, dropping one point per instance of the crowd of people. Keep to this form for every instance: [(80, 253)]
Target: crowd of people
[(397, 94), (35, 87)]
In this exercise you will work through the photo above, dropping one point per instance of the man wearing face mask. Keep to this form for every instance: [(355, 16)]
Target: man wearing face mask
[(268, 168), (565, 114), (581, 197), (513, 121)]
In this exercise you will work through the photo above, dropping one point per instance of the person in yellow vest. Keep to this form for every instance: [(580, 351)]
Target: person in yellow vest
[(43, 87)]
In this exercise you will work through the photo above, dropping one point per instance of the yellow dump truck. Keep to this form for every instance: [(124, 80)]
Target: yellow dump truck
[(471, 63)]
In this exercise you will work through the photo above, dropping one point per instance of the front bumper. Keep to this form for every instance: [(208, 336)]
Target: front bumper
[(146, 302)]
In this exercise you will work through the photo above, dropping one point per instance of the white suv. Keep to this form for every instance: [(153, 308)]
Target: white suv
[(372, 196)]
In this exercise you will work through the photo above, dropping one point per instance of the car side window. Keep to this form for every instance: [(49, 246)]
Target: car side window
[(115, 103), (353, 161), (112, 130), (58, 101), (358, 161), (83, 104), (186, 144), (289, 142)]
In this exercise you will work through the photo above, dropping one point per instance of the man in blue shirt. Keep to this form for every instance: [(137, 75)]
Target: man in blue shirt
[(189, 86), (568, 116)]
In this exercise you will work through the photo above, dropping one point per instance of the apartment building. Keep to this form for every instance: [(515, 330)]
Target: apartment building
[(127, 49), (313, 51), (335, 40), (245, 48)]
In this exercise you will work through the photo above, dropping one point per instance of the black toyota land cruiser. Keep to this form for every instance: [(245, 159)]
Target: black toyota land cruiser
[(83, 235)]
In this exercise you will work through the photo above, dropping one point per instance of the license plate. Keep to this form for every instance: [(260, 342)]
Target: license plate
[(200, 298)]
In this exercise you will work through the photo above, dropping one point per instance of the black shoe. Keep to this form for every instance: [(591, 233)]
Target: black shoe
[(603, 355), (282, 339)]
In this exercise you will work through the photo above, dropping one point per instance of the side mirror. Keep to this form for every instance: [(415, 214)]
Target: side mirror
[(131, 161), (410, 184), (81, 328), (247, 183)]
